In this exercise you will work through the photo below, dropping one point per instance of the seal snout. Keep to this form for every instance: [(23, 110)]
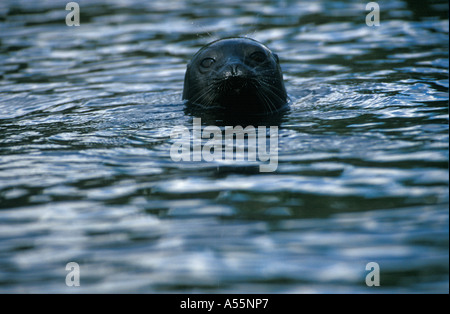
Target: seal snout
[(235, 84), (235, 69), (235, 77)]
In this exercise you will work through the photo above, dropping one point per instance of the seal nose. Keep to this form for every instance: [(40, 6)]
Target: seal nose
[(234, 69), (236, 77)]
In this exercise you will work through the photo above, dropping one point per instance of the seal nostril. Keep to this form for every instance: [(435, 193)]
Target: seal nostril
[(234, 69)]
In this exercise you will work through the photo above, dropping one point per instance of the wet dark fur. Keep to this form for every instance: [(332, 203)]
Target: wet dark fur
[(235, 76)]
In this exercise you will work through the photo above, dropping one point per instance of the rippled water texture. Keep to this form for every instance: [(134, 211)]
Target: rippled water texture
[(86, 115)]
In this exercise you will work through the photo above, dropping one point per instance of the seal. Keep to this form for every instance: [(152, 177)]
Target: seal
[(235, 76)]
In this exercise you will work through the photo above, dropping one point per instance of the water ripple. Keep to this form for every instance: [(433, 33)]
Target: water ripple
[(86, 115)]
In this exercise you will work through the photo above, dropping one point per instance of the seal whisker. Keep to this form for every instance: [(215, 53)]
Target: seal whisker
[(273, 89), (276, 91), (265, 101), (269, 103), (204, 98)]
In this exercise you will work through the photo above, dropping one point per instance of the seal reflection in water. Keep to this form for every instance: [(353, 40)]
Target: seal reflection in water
[(235, 76)]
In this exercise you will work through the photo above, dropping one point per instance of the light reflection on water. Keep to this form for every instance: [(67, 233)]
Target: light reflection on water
[(86, 115)]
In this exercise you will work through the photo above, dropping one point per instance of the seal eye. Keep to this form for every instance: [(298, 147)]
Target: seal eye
[(207, 62), (258, 56)]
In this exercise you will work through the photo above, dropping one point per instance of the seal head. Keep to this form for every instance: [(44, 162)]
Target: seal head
[(235, 76)]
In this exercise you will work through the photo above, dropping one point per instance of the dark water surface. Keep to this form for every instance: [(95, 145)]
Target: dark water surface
[(86, 115)]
